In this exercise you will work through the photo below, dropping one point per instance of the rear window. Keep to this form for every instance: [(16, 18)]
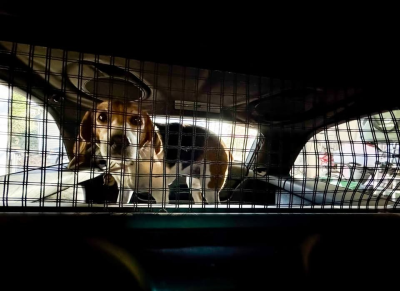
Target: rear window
[(239, 138)]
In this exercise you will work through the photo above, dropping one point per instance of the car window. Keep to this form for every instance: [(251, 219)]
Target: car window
[(356, 156), (30, 137)]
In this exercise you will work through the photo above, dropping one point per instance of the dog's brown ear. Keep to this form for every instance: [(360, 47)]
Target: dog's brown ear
[(86, 127), (149, 135), (157, 143), (82, 144), (80, 153)]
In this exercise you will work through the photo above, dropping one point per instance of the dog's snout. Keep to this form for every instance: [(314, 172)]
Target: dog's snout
[(117, 138), (121, 145), (120, 140)]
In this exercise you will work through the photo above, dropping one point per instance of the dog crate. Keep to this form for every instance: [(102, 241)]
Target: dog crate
[(287, 144)]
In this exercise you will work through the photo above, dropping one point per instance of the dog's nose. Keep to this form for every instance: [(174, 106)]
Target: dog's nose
[(120, 140)]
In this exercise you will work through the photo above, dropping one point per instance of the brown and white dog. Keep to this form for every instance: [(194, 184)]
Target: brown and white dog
[(144, 157)]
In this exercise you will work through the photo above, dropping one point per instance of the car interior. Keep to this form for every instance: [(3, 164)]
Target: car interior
[(310, 197)]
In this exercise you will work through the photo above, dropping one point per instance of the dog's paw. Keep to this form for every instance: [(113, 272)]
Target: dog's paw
[(108, 180)]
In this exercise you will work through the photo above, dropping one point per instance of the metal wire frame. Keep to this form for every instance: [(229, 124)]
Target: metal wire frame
[(333, 170)]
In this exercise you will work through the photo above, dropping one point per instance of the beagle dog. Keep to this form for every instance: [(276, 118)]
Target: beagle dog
[(142, 156)]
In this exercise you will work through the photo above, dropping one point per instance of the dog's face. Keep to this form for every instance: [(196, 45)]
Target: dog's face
[(118, 129)]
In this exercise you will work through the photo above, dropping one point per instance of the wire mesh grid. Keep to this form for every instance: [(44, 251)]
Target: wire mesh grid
[(82, 130)]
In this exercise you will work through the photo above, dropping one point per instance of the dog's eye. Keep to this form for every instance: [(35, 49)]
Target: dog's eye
[(136, 120), (102, 117)]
